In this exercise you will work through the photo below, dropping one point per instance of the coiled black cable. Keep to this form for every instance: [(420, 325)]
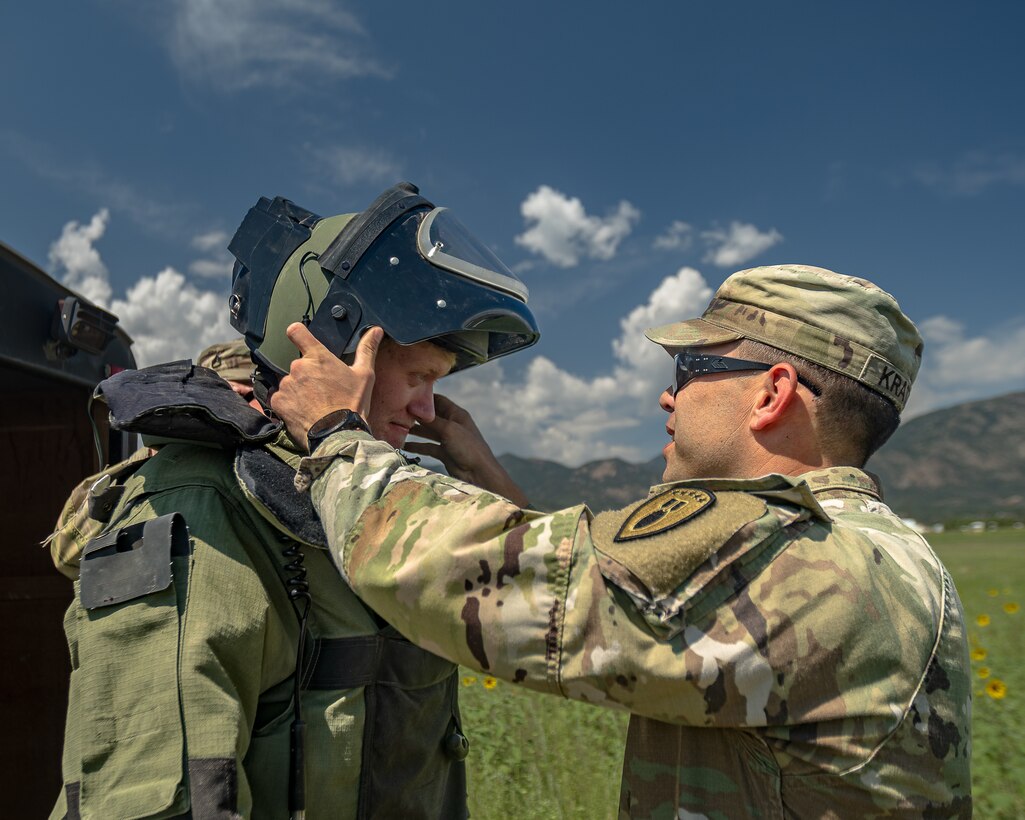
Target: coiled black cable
[(299, 593)]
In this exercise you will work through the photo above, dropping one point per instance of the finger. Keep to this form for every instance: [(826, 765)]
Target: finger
[(444, 406), (450, 411), (366, 352), (429, 430), (300, 335), (424, 448)]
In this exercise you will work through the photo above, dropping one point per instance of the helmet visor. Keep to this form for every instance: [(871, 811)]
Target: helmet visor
[(415, 299), (446, 243)]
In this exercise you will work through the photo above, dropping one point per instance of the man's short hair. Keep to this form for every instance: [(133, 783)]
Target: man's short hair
[(854, 421)]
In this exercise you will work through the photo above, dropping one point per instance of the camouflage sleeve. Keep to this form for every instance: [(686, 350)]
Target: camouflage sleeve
[(77, 525), (665, 623), (463, 573)]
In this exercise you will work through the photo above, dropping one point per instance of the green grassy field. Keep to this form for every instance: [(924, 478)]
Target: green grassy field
[(541, 757), (989, 571)]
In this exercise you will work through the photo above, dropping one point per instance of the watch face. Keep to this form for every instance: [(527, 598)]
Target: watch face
[(333, 423)]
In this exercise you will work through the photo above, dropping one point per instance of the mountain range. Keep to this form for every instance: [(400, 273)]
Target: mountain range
[(965, 462)]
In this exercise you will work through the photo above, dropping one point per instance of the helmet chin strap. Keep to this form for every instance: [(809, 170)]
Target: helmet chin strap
[(266, 378), (264, 384)]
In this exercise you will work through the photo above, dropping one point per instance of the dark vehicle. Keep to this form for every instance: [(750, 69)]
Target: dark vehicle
[(54, 348)]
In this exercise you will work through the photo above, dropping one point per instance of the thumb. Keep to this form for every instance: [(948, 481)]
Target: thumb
[(300, 335), (366, 351)]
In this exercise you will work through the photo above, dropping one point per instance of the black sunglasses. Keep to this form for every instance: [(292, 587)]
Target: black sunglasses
[(691, 365)]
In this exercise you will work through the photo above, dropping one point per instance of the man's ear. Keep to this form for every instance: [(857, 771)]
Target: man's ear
[(778, 389)]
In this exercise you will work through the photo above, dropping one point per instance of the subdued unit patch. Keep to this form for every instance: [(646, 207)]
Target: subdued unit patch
[(665, 511), (664, 560)]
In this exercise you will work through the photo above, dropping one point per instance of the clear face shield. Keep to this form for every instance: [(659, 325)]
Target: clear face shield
[(446, 243), (403, 264), (426, 277)]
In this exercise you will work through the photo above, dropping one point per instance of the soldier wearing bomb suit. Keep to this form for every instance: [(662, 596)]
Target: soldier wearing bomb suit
[(221, 668)]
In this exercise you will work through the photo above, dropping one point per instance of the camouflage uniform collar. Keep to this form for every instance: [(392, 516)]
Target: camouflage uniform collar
[(835, 482), (782, 488)]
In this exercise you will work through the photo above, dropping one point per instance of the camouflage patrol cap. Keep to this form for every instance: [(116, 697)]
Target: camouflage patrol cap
[(841, 322), (229, 360)]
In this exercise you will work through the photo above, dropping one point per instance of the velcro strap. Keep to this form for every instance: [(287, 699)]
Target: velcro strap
[(345, 663)]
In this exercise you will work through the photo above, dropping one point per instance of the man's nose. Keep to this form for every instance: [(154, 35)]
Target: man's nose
[(667, 401), (422, 405)]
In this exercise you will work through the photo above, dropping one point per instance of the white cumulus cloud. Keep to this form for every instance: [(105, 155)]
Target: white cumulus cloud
[(74, 254), (548, 413), (739, 243), (211, 241), (216, 263), (167, 317), (682, 296), (560, 230), (554, 414), (958, 366), (219, 268), (239, 44)]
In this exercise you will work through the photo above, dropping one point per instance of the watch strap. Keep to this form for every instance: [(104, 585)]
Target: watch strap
[(333, 422)]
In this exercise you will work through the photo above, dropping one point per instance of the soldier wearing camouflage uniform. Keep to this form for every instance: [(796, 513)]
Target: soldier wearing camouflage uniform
[(233, 363), (786, 646)]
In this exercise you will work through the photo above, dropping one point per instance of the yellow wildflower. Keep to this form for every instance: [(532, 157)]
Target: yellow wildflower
[(983, 672), (982, 620), (978, 654), (489, 682), (996, 689), (992, 593), (469, 680), (1011, 607)]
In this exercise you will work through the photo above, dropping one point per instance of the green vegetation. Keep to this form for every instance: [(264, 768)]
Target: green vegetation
[(540, 757), (989, 571)]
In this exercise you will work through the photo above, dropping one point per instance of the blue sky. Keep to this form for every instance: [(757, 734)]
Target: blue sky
[(623, 159)]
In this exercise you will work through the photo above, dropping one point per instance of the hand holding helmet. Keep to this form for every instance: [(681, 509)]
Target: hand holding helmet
[(321, 383)]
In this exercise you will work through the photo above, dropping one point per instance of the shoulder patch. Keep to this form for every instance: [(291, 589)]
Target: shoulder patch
[(670, 544), (665, 511)]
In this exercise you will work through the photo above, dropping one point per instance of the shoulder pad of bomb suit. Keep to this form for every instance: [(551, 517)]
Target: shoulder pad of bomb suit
[(179, 400)]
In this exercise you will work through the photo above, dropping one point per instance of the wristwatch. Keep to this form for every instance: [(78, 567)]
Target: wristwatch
[(333, 422)]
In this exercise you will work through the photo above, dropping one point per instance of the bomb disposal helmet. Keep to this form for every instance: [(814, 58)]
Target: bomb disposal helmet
[(403, 264)]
